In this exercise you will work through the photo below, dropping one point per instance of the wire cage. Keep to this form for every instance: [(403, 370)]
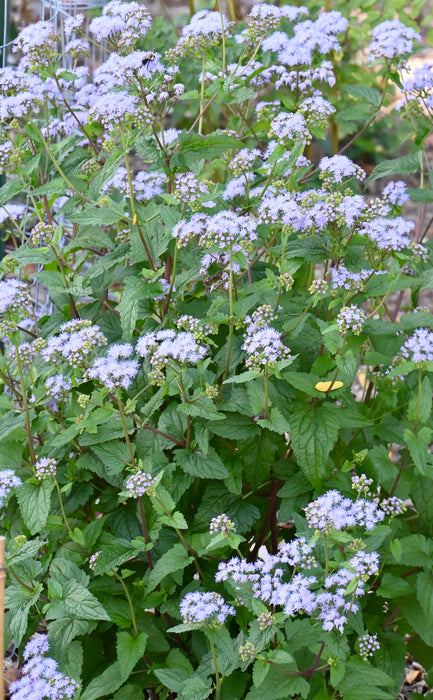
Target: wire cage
[(56, 11)]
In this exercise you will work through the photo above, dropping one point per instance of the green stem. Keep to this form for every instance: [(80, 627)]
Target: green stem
[(62, 506), (26, 406), (128, 598), (125, 431), (266, 380), (217, 675), (200, 124), (230, 338), (418, 405), (325, 542)]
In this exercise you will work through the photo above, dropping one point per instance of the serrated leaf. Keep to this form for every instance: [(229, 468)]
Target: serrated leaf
[(313, 431), (175, 559), (79, 603), (393, 586), (406, 165), (424, 594), (209, 466), (418, 445), (129, 651), (97, 215), (105, 684), (420, 408), (114, 455), (211, 145), (34, 501)]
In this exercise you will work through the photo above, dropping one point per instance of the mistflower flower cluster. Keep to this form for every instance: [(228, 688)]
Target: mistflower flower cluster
[(200, 329), (41, 678), (316, 111), (189, 231), (45, 467), (260, 318), (419, 251), (342, 278), (264, 18), (302, 81), (334, 169), (419, 347), (8, 481), (163, 346), (199, 609), (6, 150), (297, 553), (395, 193), (120, 108), (204, 31), (121, 22), (41, 233), (247, 652), (332, 511), (221, 525), (264, 348), (140, 484), (11, 211), (37, 41), (392, 39), (227, 228), (282, 209), (393, 506), (290, 127), (361, 484), (351, 319), (319, 287), (14, 297), (93, 559), (265, 620), (188, 189), (75, 343), (58, 386), (243, 160), (286, 281), (389, 234), (368, 644), (115, 370), (145, 185)]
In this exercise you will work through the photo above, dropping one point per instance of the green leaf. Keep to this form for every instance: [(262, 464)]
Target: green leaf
[(133, 294), (260, 671), (175, 559), (9, 423), (208, 466), (276, 686), (393, 586), (129, 651), (105, 684), (114, 455), (97, 215), (108, 262), (422, 497), (406, 165), (18, 602), (369, 94), (209, 146), (422, 405), (424, 594), (313, 431), (34, 501), (416, 550), (78, 603), (418, 446)]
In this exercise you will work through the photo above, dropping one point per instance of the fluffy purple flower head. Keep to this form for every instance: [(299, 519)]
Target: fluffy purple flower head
[(333, 169), (368, 644), (140, 484), (8, 481), (290, 127), (40, 678), (209, 608), (392, 39), (36, 40), (352, 319), (332, 511), (419, 347), (395, 193), (113, 371), (389, 234)]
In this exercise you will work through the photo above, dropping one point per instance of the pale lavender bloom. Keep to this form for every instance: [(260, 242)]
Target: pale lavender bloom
[(333, 169), (226, 228), (8, 481), (333, 611), (36, 40), (332, 511), (41, 679), (365, 563), (114, 108), (297, 553), (368, 644), (392, 39), (237, 186), (296, 596), (290, 127), (395, 193), (282, 208), (74, 344), (243, 160), (263, 18), (316, 110), (309, 37), (419, 347), (264, 348), (209, 608), (351, 318), (20, 106), (71, 24), (112, 371), (145, 184), (389, 234), (45, 467), (122, 22), (140, 484), (346, 279), (57, 386), (351, 208), (6, 149), (188, 189), (393, 506), (221, 525), (164, 346), (169, 136), (187, 231), (302, 80)]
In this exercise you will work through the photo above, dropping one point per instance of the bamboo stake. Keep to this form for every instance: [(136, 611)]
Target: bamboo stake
[(2, 605)]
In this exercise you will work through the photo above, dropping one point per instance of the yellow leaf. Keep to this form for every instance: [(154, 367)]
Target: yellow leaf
[(328, 386)]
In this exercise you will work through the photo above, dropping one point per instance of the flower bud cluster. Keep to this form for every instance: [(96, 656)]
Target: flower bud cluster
[(188, 189), (45, 467), (199, 329), (351, 319), (221, 525), (140, 484), (41, 233), (247, 652), (368, 644), (74, 344)]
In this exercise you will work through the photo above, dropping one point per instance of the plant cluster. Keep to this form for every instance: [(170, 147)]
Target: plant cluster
[(215, 466)]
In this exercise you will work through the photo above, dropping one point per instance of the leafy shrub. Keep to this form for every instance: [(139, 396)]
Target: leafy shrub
[(216, 470)]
